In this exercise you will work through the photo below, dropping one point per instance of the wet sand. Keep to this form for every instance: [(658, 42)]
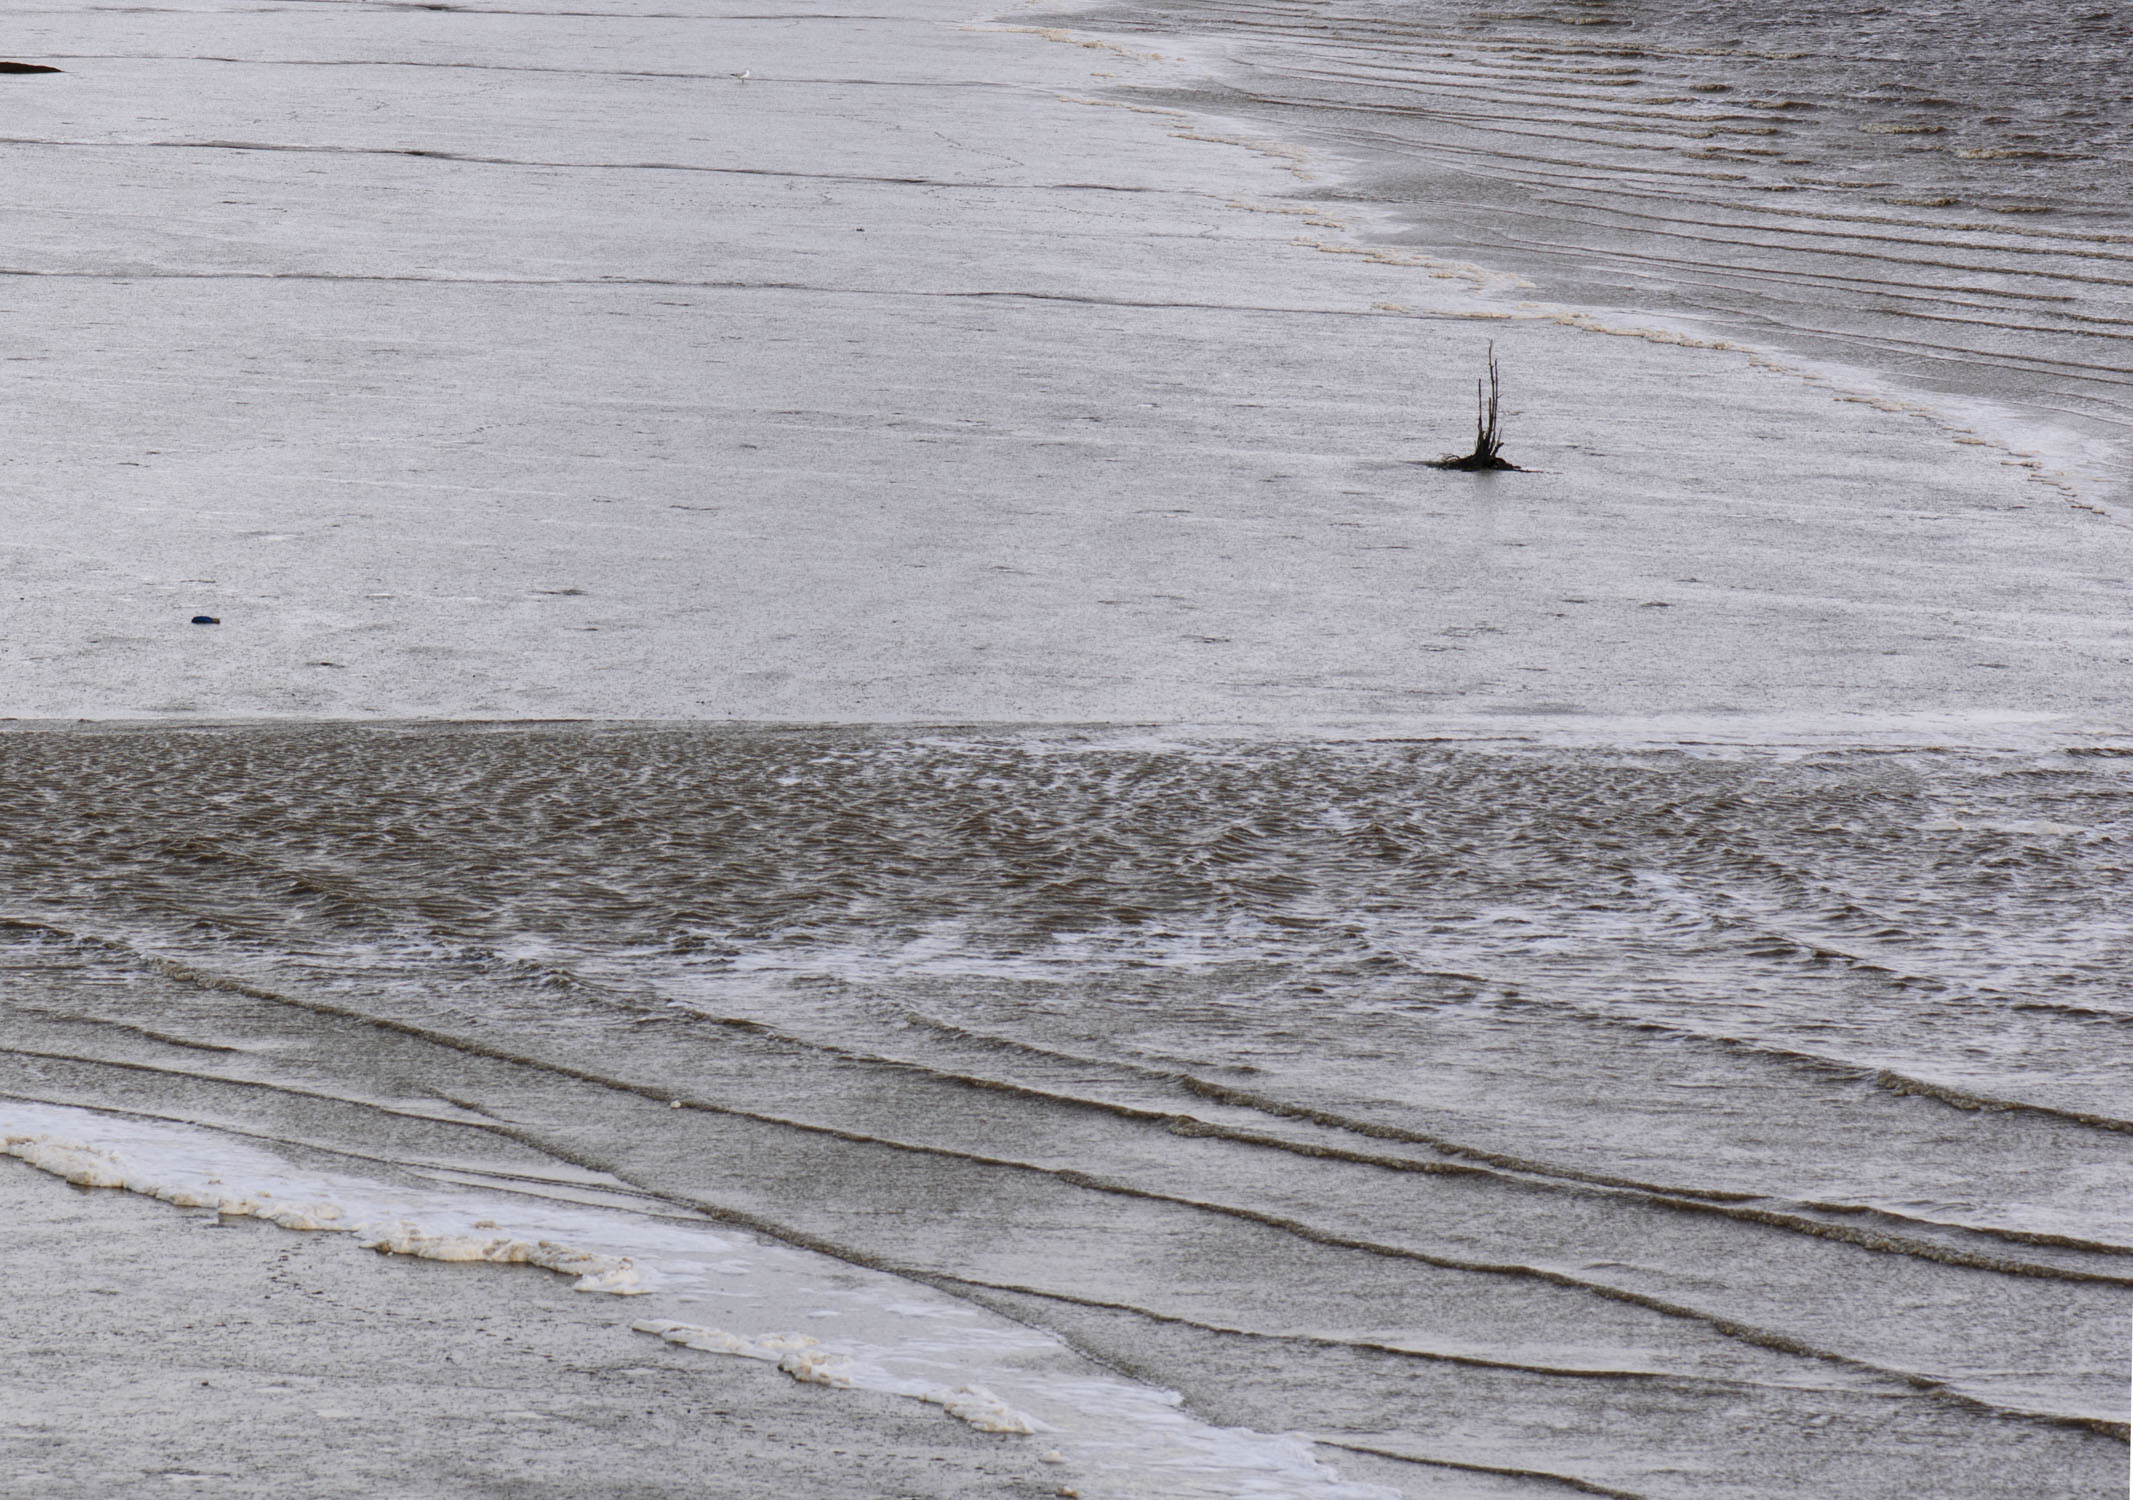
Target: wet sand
[(506, 364), (488, 364), (154, 1350)]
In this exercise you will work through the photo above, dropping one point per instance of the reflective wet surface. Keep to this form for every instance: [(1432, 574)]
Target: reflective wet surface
[(1935, 192), (1741, 1122)]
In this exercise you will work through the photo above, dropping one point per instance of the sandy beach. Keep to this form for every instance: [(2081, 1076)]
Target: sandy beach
[(232, 1357), (490, 365), (971, 498)]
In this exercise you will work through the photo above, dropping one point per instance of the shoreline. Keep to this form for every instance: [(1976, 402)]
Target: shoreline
[(719, 1285), (2014, 735), (258, 1360), (1702, 1071), (900, 390), (1513, 141)]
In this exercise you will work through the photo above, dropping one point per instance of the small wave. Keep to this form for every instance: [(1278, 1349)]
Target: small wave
[(1119, 1432), (805, 1360)]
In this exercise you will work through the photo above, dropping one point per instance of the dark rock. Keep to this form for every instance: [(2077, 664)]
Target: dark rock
[(15, 67)]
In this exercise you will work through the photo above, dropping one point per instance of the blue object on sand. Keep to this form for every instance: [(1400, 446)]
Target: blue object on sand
[(205, 620)]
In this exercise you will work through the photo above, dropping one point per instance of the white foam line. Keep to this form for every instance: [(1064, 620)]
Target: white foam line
[(1124, 1441), (806, 1361)]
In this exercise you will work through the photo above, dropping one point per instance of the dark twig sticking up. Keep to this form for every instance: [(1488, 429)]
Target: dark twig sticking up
[(1488, 430)]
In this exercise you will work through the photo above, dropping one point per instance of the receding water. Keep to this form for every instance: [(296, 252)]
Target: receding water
[(1939, 192), (1743, 1123)]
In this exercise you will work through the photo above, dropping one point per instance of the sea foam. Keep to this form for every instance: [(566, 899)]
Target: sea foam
[(894, 1337)]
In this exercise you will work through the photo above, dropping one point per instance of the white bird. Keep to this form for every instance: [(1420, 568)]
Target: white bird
[(743, 77)]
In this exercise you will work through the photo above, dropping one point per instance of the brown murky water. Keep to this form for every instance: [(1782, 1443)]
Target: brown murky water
[(1939, 193), (1748, 1123)]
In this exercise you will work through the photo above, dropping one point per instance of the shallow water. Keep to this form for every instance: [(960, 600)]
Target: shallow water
[(1937, 192), (1746, 1122)]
